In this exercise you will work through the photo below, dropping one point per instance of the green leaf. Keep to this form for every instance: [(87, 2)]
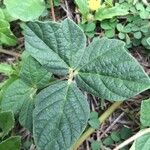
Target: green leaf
[(139, 6), (95, 145), (4, 85), (6, 36), (55, 46), (120, 27), (143, 143), (4, 15), (125, 133), (61, 110), (25, 115), (108, 24), (83, 6), (107, 13), (94, 121), (108, 141), (115, 135), (6, 69), (144, 14), (148, 40), (108, 71), (145, 113), (25, 10), (110, 33), (15, 95), (34, 74), (121, 35), (6, 122), (12, 143), (137, 35)]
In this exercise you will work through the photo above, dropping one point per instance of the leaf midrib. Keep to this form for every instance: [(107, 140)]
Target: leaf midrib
[(48, 45)]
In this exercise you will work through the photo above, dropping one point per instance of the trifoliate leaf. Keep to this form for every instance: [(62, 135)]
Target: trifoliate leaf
[(60, 116), (25, 10), (55, 46), (108, 71)]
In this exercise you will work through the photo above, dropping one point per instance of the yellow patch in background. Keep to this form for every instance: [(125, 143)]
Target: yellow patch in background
[(94, 4)]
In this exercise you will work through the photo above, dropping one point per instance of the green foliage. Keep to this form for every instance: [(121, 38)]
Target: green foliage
[(145, 113), (108, 141), (25, 10), (83, 7), (6, 69), (57, 111), (20, 93), (6, 36), (108, 13), (125, 20), (125, 133), (95, 145), (143, 143), (89, 28), (12, 143), (34, 74), (63, 112), (118, 136), (94, 121), (6, 123)]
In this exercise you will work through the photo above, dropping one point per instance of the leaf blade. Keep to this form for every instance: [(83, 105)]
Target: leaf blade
[(67, 124), (103, 74)]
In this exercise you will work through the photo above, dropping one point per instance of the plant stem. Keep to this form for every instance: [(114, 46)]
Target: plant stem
[(133, 138), (52, 10), (102, 119), (10, 53)]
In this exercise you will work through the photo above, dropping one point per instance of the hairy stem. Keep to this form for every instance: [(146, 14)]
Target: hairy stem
[(102, 119), (133, 138)]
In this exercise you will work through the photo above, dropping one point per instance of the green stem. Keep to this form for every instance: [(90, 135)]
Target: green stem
[(102, 119)]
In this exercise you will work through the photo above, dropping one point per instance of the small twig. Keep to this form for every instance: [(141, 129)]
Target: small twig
[(115, 121), (10, 53), (77, 16), (133, 138), (102, 119), (52, 10), (69, 15)]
